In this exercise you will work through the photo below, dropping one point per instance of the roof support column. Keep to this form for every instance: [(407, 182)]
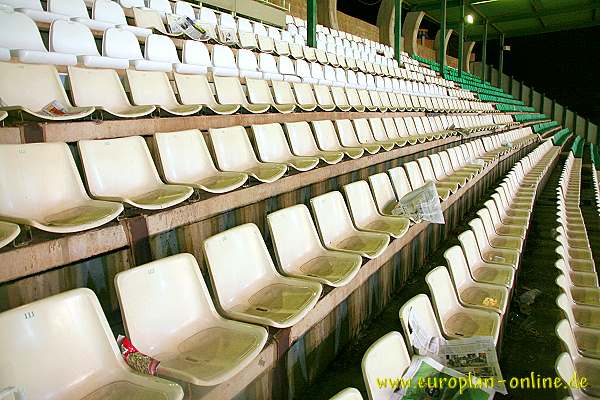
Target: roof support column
[(311, 22), (461, 38), (398, 29), (410, 31), (484, 52), (442, 38), (501, 66)]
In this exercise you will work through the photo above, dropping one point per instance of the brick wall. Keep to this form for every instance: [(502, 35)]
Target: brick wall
[(298, 8), (357, 27)]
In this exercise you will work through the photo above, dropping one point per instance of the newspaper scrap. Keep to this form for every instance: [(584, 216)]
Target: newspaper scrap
[(422, 204), (192, 29), (430, 380), (420, 337), (54, 109), (12, 393), (226, 36)]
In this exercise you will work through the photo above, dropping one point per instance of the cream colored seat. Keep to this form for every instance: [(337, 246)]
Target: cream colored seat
[(122, 169), (580, 342), (247, 285), (579, 316), (420, 307), (70, 328), (305, 97), (385, 198), (386, 358), (348, 138), (195, 89), (229, 91), (102, 89), (456, 320), (365, 214), (154, 88), (481, 271), (504, 226), (26, 89), (328, 140), (179, 325), (348, 394), (303, 143), (337, 230), (566, 370), (8, 233), (428, 175), (29, 177), (300, 253), (491, 254), (584, 296), (417, 180), (511, 243), (582, 279), (498, 239), (400, 181), (259, 92), (234, 153), (272, 146), (3, 115), (185, 160), (151, 19), (284, 95)]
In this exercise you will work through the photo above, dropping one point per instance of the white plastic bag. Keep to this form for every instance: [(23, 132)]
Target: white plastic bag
[(11, 393), (422, 204)]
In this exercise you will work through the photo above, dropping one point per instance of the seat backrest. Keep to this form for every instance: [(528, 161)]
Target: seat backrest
[(565, 333), (267, 63), (184, 156), (160, 48), (70, 326), (131, 3), (437, 166), (566, 370), (233, 149), (18, 31), (105, 162), (361, 203), (246, 60), (260, 29), (222, 56), (151, 88), (29, 176), (301, 138), (195, 53), (207, 16), (286, 66), (303, 69), (346, 133), (238, 259), (414, 174), (194, 89), (32, 86), (185, 9), (383, 191), (92, 87), (332, 217), (470, 247), (294, 235), (419, 309), (326, 136), (426, 169), (30, 4), (400, 181), (271, 143), (378, 129), (487, 221), (121, 43), (446, 163), (178, 306), (244, 25), (72, 38), (458, 266), (72, 8), (387, 357), (363, 130), (390, 127), (162, 6), (442, 292), (108, 11)]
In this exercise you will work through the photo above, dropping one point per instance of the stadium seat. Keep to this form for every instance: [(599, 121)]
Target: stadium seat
[(468, 257), (458, 321), (151, 19), (303, 143), (348, 138), (385, 198), (493, 255), (110, 12), (195, 89), (123, 44), (246, 36), (387, 358), (223, 62), (160, 48), (259, 92), (305, 96), (496, 241), (33, 9), (581, 342), (184, 9), (27, 46), (286, 68), (104, 162), (582, 279), (154, 88), (417, 180), (185, 160), (208, 21), (234, 153), (247, 285), (71, 326), (179, 325), (41, 169), (8, 233), (293, 228), (400, 181), (502, 227), (103, 90), (29, 88), (420, 306), (376, 129), (328, 140), (365, 215), (348, 394), (230, 91), (272, 147), (268, 67), (578, 315), (337, 230), (76, 10), (71, 37), (567, 370), (584, 296), (248, 65)]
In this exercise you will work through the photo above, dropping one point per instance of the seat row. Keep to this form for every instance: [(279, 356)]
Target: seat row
[(595, 156), (578, 281), (194, 343), (28, 90)]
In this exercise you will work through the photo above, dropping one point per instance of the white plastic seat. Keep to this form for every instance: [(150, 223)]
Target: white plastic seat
[(179, 324), (365, 214), (382, 189), (255, 292), (154, 88), (417, 180), (305, 96), (292, 229), (510, 257), (76, 10), (567, 370), (223, 62), (585, 296), (102, 89), (26, 46), (207, 19), (110, 12), (229, 91), (28, 88), (234, 152), (303, 143), (347, 394), (8, 233), (184, 9), (160, 48), (259, 92), (582, 343), (337, 230), (272, 147), (268, 67), (195, 89), (419, 308), (71, 326), (148, 18), (384, 359), (286, 69), (104, 162), (328, 140), (186, 160), (348, 137), (247, 64), (33, 9), (227, 30), (456, 320), (72, 37), (123, 44)]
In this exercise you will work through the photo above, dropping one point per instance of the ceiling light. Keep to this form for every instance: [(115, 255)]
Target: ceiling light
[(482, 2), (469, 19)]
